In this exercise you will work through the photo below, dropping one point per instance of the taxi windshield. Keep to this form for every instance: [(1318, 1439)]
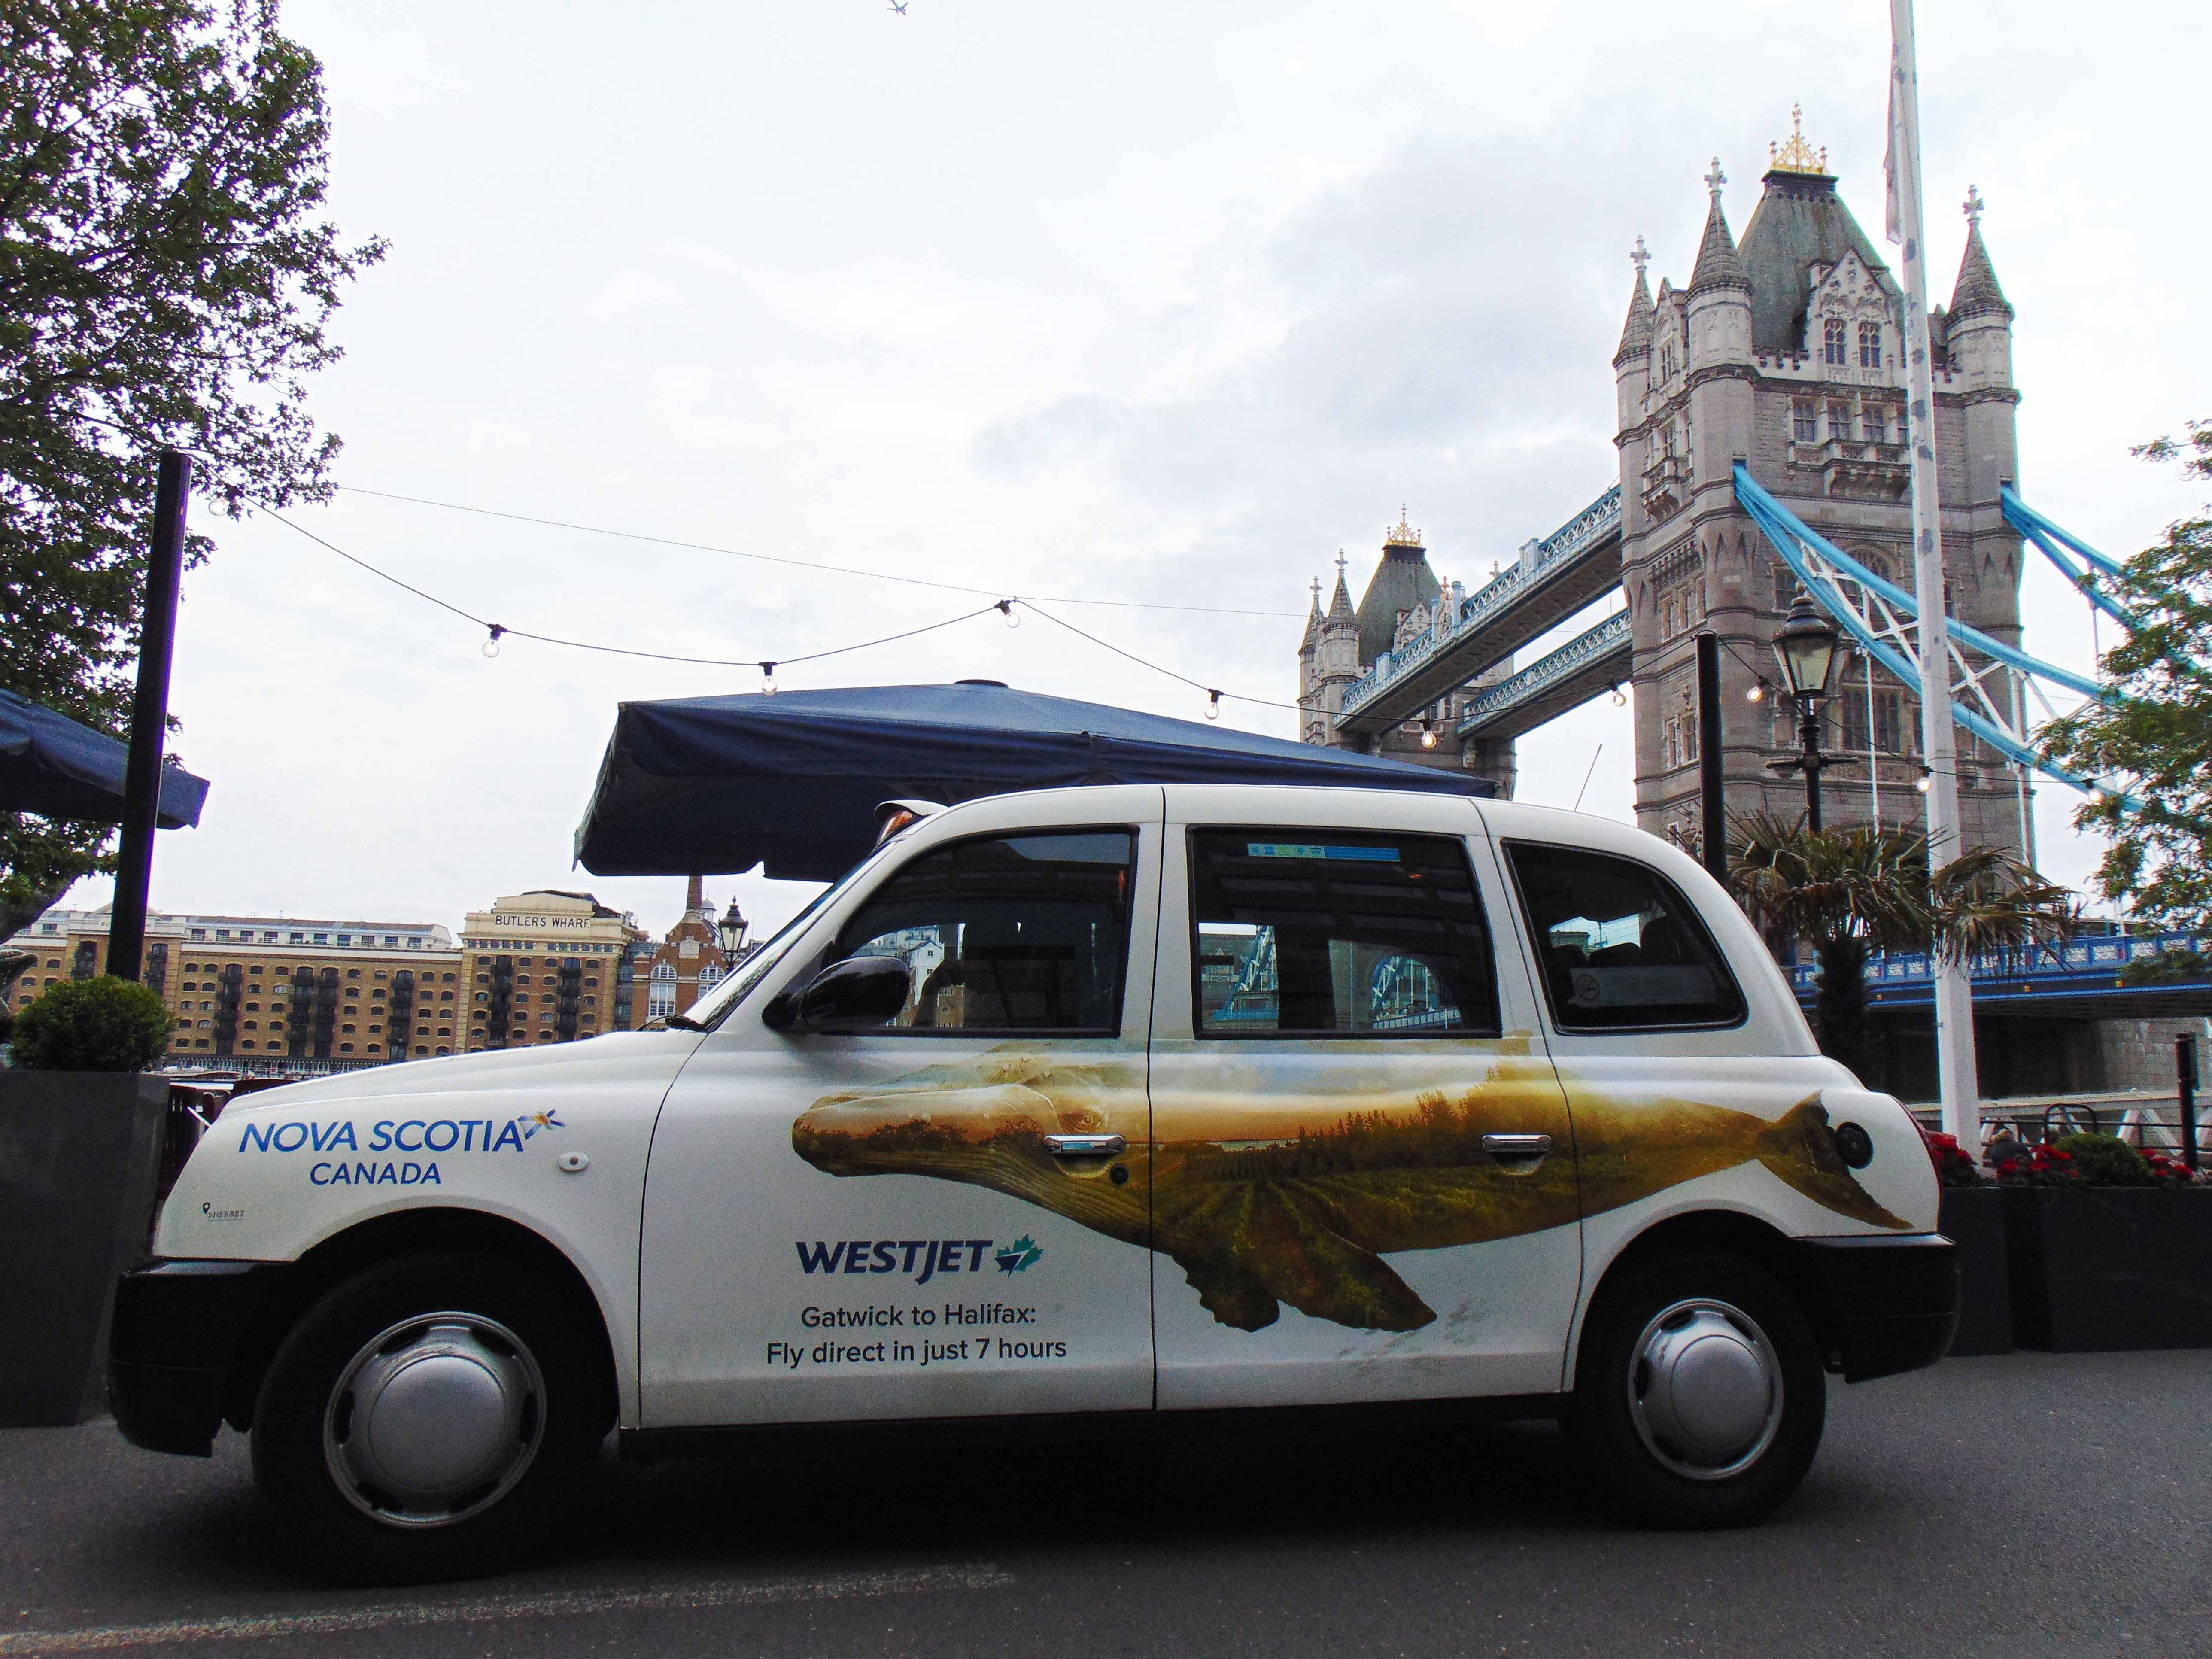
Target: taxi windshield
[(710, 1008)]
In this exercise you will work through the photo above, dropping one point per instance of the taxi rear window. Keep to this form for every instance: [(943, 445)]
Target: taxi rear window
[(1311, 933), (1618, 946)]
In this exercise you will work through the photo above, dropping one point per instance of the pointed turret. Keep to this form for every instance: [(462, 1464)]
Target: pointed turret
[(1718, 266), (1976, 293), (1313, 621), (1340, 603), (1636, 332)]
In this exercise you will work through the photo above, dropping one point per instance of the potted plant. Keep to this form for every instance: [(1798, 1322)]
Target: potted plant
[(81, 1129), (2110, 1247), (1972, 1217)]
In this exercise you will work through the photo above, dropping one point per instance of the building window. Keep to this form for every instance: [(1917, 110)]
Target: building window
[(1877, 423), (1870, 345), (1804, 425), (1834, 331), (1839, 420), (199, 934)]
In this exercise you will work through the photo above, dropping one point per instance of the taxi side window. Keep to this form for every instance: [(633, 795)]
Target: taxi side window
[(1324, 932), (1618, 946), (1005, 933)]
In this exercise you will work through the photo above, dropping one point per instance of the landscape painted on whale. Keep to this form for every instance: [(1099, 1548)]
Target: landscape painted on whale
[(1301, 1207)]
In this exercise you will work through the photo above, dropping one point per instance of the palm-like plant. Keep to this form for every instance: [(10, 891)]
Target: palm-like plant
[(1854, 891)]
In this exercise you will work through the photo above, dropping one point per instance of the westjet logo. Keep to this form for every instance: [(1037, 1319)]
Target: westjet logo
[(920, 1259)]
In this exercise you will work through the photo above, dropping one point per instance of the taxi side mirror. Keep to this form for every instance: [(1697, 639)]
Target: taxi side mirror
[(857, 994)]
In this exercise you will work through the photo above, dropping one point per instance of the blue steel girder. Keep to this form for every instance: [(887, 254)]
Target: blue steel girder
[(1566, 679), (1572, 568)]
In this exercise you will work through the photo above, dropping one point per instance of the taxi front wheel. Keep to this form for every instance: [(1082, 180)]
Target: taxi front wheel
[(434, 1417), (1699, 1398)]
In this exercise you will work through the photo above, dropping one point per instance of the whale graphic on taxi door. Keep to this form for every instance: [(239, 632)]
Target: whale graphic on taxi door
[(1305, 1214)]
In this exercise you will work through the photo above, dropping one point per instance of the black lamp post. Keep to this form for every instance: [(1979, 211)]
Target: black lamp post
[(1806, 647), (730, 929)]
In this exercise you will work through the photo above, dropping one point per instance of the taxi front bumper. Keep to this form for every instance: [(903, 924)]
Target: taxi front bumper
[(173, 1347)]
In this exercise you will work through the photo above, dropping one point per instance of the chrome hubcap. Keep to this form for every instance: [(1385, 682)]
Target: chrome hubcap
[(1705, 1389), (434, 1419)]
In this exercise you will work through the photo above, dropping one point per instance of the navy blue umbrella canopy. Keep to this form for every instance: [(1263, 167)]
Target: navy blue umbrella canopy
[(52, 766), (709, 785)]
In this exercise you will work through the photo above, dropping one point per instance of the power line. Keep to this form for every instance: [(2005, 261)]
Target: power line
[(801, 564)]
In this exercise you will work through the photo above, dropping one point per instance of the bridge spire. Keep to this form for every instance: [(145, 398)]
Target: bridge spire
[(1718, 266), (1636, 332), (1340, 603)]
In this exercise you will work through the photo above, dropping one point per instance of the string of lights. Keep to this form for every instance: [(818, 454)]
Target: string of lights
[(1213, 693), (1009, 609), (802, 564), (496, 631)]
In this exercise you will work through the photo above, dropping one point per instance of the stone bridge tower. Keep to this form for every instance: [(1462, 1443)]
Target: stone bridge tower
[(1785, 351)]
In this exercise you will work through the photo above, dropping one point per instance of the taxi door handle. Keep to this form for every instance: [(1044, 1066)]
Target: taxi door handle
[(1086, 1145), (1516, 1146)]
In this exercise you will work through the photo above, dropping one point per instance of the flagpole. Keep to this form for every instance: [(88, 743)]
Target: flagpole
[(1959, 1086)]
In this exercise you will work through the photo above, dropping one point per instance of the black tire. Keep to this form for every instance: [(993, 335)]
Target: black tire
[(505, 1398), (1692, 1443)]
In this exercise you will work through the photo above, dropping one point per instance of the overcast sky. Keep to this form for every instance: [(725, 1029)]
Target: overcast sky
[(1131, 301)]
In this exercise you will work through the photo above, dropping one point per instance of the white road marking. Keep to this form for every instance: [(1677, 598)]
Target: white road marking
[(109, 1639)]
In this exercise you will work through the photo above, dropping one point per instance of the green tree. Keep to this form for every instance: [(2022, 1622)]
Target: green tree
[(1849, 892), (166, 279), (2155, 741)]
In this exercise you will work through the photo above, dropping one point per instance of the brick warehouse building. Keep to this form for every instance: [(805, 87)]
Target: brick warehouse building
[(261, 989), (544, 966)]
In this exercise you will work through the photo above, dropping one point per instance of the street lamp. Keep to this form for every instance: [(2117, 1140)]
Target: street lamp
[(732, 930), (1807, 649)]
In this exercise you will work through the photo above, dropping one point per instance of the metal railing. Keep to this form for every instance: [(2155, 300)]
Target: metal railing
[(1563, 544), (2076, 959), (1607, 637)]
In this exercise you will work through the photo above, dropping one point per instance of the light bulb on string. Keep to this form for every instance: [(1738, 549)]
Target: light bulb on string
[(1212, 704), (491, 644), (1756, 692), (1619, 697), (1005, 608), (1924, 781), (768, 679), (1428, 734)]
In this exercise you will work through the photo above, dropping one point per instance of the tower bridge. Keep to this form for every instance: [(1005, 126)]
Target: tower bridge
[(1784, 354)]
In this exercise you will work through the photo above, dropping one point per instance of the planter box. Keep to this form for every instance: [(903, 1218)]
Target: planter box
[(2105, 1267), (1973, 1218), (78, 1155)]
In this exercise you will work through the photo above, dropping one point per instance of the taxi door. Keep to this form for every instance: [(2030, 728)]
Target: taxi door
[(1694, 1086), (1364, 1173), (946, 1215)]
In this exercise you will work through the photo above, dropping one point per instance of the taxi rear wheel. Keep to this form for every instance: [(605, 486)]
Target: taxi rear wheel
[(1700, 1396), (434, 1417)]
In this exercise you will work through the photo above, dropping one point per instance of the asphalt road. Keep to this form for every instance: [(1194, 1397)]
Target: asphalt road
[(2027, 1505)]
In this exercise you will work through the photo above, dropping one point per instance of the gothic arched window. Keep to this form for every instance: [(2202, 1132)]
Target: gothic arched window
[(1834, 333), (1870, 345)]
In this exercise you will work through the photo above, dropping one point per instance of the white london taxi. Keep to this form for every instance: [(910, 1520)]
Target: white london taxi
[(1103, 1100)]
